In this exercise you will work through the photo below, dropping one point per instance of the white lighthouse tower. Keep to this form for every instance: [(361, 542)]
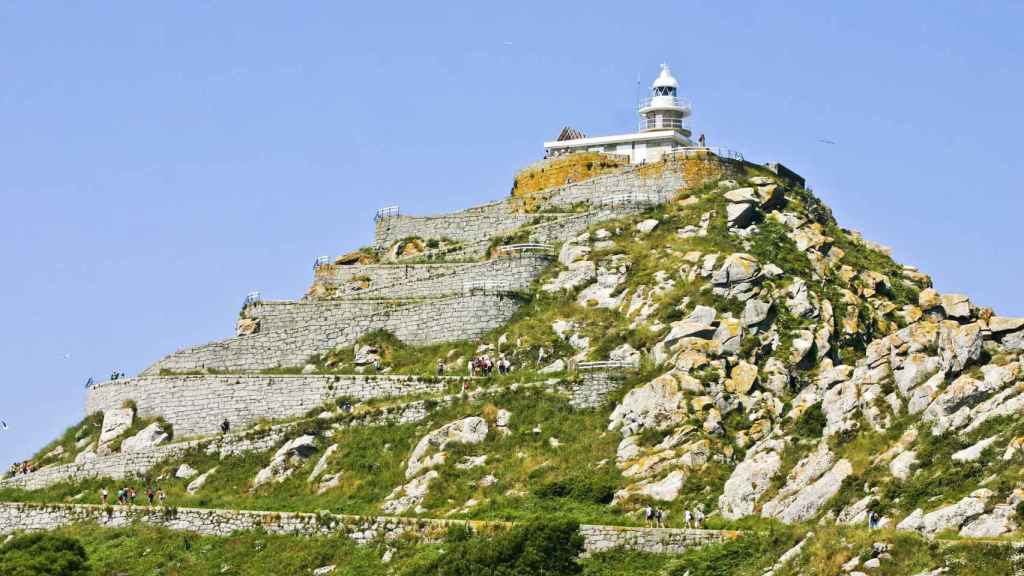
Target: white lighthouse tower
[(663, 110), (663, 128)]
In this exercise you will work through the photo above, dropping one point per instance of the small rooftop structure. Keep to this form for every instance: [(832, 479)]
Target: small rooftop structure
[(663, 127)]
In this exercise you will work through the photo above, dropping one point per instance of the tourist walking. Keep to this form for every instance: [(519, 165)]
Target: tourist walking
[(150, 495), (104, 495), (688, 519), (162, 496)]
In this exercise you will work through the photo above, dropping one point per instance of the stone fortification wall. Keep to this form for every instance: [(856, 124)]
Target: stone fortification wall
[(473, 224), (624, 191), (125, 465), (198, 404), (507, 273), (639, 185), (465, 317), (594, 386), (280, 315), (377, 275), (421, 281), (27, 517)]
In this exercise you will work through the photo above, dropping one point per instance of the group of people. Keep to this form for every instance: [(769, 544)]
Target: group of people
[(116, 375), (655, 517), (22, 468), (126, 496), (484, 365), (694, 519)]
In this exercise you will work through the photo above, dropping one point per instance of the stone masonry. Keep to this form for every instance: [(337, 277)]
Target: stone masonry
[(473, 224), (16, 517), (198, 404), (593, 387), (507, 273), (320, 329)]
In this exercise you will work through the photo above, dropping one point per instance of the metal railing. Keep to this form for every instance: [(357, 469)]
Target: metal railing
[(386, 212), (664, 101), (321, 261), (509, 249), (606, 365), (252, 298), (690, 151)]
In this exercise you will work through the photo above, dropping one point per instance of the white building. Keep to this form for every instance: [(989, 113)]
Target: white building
[(663, 128)]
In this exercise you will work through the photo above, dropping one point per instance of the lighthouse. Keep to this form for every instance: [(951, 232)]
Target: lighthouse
[(663, 128), (663, 110)]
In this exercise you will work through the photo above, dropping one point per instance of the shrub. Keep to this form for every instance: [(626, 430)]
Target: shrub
[(811, 423), (43, 553), (538, 548), (740, 556), (596, 489)]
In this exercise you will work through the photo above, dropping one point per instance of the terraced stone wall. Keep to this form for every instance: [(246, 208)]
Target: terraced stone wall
[(594, 386), (276, 316), (319, 329), (473, 224), (198, 404), (16, 517), (507, 273)]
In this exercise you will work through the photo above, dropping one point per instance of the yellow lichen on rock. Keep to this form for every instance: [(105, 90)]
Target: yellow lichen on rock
[(559, 171)]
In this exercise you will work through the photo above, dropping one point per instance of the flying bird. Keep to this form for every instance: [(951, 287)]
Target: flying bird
[(508, 43), (825, 141)]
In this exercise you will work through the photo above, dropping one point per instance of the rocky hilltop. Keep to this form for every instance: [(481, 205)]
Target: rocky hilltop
[(699, 335)]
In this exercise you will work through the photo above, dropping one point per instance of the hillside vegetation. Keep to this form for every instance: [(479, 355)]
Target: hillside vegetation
[(780, 374)]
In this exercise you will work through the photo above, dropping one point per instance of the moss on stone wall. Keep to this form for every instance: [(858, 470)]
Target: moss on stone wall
[(558, 171)]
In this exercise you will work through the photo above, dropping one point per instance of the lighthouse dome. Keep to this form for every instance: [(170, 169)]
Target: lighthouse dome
[(665, 79)]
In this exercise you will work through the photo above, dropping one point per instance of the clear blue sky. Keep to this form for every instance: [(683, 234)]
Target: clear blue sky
[(157, 162)]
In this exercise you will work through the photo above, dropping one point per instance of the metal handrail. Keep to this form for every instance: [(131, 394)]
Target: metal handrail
[(252, 298), (647, 102), (386, 212), (716, 150), (525, 247), (605, 364)]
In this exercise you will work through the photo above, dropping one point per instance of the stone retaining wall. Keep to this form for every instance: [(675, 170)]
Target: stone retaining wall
[(15, 517), (473, 224), (594, 386), (640, 185), (198, 404), (280, 315), (125, 465), (507, 273), (465, 317)]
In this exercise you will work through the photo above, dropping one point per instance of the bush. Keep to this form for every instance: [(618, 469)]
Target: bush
[(595, 489), (811, 423), (539, 548), (43, 554), (748, 554)]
